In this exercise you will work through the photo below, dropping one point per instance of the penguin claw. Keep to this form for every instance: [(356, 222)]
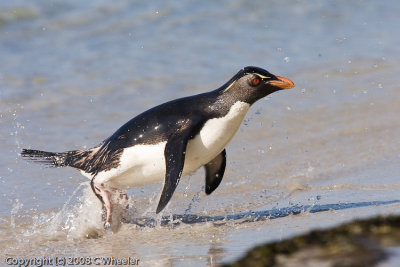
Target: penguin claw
[(107, 225)]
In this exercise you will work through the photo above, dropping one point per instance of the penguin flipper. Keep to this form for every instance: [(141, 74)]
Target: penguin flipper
[(215, 171), (174, 152)]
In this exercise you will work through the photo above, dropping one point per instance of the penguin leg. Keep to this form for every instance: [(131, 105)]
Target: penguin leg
[(106, 199), (95, 192), (121, 196)]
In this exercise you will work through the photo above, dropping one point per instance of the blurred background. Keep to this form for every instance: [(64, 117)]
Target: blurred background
[(72, 72)]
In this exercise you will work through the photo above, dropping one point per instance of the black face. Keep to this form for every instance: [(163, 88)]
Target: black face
[(261, 72), (253, 83)]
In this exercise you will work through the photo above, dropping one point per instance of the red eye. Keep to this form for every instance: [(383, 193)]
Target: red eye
[(255, 81)]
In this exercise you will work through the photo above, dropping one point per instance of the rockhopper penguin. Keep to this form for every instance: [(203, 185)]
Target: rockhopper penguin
[(170, 140)]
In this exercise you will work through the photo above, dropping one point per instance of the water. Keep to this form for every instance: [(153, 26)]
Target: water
[(315, 156)]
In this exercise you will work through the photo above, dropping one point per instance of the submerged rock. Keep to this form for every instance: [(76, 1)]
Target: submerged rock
[(359, 243)]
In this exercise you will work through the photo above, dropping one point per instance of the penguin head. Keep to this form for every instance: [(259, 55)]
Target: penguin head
[(252, 83)]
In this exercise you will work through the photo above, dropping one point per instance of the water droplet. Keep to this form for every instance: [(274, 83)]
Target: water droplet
[(16, 207), (310, 168)]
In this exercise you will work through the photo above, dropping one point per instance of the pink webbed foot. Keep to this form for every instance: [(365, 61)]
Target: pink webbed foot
[(105, 195)]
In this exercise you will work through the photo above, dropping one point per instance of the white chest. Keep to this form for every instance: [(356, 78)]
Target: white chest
[(145, 164), (213, 137)]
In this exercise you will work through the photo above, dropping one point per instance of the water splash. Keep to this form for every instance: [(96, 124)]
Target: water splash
[(16, 207), (195, 199), (79, 217), (60, 217)]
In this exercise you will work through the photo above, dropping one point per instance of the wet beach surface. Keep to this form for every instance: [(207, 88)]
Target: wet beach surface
[(320, 154)]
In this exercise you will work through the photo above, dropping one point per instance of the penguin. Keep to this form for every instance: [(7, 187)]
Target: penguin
[(169, 141)]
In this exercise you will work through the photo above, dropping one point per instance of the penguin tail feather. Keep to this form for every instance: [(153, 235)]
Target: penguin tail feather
[(53, 159)]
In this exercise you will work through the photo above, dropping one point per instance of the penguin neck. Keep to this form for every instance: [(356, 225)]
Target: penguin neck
[(229, 95), (235, 92)]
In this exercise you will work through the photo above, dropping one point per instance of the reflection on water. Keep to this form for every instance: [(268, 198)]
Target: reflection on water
[(253, 216)]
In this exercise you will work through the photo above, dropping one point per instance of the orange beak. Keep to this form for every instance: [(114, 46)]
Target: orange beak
[(282, 83)]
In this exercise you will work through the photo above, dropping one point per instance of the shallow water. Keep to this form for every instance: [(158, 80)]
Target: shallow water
[(325, 152)]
